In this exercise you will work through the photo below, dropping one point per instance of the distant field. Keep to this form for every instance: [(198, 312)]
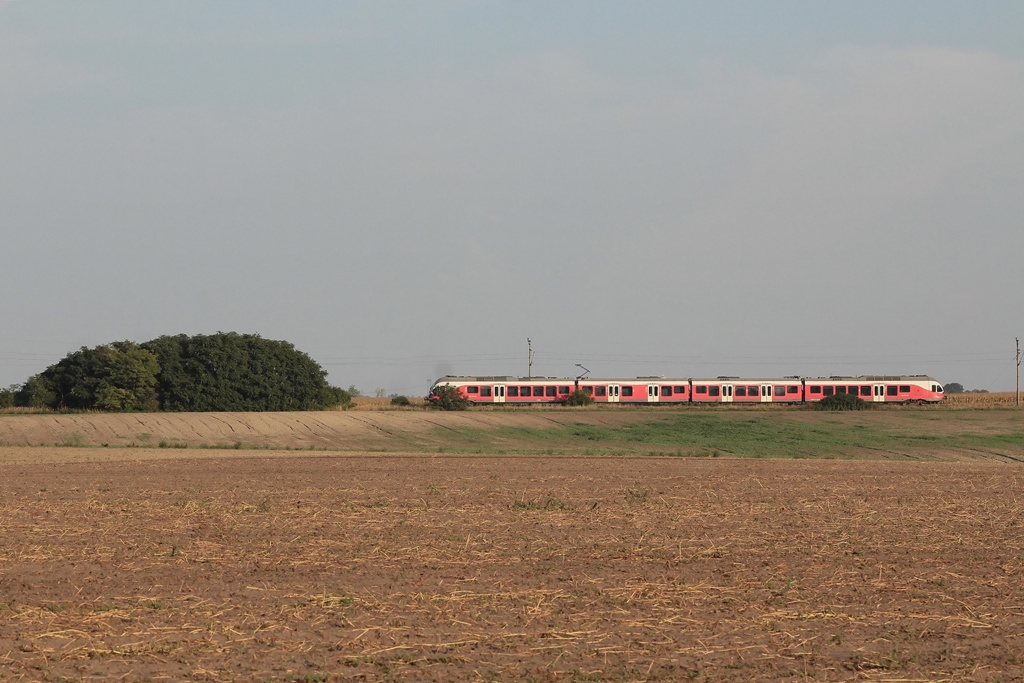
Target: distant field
[(910, 433), (1002, 399)]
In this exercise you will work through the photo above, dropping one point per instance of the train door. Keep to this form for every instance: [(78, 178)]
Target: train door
[(726, 393), (878, 393), (613, 393), (766, 393), (652, 393), (499, 393)]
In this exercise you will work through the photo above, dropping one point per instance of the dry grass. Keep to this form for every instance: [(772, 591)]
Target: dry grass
[(996, 400), (370, 403)]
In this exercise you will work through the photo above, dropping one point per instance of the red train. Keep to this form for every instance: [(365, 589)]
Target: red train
[(919, 389)]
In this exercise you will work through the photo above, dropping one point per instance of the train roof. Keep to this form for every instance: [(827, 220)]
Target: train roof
[(747, 380), (874, 378)]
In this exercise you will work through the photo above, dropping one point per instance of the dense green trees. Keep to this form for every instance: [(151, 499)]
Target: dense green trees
[(7, 396), (119, 376), (230, 371), (218, 372)]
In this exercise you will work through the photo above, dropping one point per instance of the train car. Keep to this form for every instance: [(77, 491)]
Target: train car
[(508, 389), (920, 389), (636, 390), (747, 390)]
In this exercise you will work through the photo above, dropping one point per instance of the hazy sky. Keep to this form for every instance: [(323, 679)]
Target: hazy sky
[(405, 190)]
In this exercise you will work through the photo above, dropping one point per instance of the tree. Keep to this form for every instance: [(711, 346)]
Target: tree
[(7, 396), (36, 392), (953, 388), (447, 397), (228, 371), (118, 377)]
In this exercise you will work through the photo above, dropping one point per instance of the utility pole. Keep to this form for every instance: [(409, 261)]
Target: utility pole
[(529, 357), (1017, 358)]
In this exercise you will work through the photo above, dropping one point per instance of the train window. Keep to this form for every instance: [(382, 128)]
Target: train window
[(890, 390), (701, 389), (666, 391), (563, 390), (741, 391), (627, 391), (712, 391), (680, 390), (827, 391), (485, 391), (599, 391), (792, 390), (550, 391), (513, 391), (472, 390), (780, 391), (751, 391), (865, 391), (904, 388), (815, 389), (589, 391)]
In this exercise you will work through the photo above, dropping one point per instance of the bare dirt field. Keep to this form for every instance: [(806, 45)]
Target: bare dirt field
[(289, 567)]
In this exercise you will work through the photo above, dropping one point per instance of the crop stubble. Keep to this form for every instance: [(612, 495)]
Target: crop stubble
[(433, 568)]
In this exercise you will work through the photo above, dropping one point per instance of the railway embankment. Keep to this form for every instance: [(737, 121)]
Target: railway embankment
[(958, 430)]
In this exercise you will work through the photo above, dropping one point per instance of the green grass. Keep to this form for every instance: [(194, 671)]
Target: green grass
[(769, 436)]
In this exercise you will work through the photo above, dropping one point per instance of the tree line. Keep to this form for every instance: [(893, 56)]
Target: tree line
[(225, 371)]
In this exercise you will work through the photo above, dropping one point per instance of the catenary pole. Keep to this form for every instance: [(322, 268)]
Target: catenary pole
[(1017, 358)]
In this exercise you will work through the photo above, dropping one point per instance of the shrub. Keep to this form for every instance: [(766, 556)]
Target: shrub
[(336, 396), (399, 401), (447, 397), (579, 398), (844, 402)]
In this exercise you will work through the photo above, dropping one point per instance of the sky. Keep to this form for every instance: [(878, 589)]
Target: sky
[(408, 190)]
